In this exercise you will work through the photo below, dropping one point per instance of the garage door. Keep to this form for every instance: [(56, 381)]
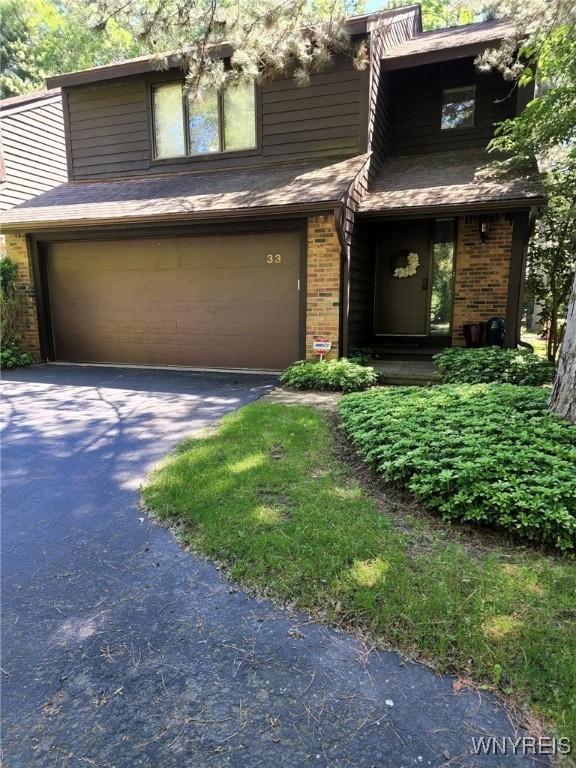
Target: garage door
[(228, 301)]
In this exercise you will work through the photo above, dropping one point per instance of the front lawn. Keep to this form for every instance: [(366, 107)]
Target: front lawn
[(268, 497)]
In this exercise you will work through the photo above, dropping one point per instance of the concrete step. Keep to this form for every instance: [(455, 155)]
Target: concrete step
[(406, 372)]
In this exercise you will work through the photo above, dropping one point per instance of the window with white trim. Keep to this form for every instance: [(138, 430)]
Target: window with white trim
[(218, 121), (458, 108)]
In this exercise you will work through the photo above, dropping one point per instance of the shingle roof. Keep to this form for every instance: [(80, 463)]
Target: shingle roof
[(455, 180), (186, 196), (28, 100), (467, 40)]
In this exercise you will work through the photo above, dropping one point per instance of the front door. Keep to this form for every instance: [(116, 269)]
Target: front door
[(413, 280)]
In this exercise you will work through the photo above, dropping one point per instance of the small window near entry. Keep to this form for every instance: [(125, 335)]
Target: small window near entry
[(442, 270), (458, 107), (213, 122)]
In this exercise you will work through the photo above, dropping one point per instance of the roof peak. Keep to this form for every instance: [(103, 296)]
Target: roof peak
[(359, 24)]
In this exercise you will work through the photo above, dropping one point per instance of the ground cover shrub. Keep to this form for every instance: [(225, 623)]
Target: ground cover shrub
[(458, 365), (486, 454), (329, 375), (13, 357)]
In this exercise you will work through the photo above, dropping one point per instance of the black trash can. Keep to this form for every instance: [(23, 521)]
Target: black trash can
[(495, 328), (473, 334)]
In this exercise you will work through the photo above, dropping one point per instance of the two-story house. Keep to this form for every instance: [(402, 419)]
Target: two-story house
[(232, 232)]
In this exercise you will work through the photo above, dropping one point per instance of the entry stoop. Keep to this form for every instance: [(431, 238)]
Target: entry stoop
[(417, 373)]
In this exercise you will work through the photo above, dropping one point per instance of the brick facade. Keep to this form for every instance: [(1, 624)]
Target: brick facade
[(481, 281), (323, 283), (480, 286), (16, 248)]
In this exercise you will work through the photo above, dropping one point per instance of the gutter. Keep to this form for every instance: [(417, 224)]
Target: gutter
[(496, 206), (268, 212)]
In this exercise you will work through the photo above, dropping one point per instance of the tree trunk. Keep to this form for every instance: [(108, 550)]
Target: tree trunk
[(563, 399)]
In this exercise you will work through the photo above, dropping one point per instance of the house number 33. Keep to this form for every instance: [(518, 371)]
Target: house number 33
[(274, 258)]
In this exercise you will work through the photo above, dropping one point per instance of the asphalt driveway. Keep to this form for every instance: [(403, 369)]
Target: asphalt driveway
[(120, 649)]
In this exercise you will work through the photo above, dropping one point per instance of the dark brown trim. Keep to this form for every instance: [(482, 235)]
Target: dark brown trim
[(67, 135), (344, 292), (520, 229), (38, 259), (140, 66), (266, 213), (302, 286), (364, 124), (169, 230), (434, 57), (444, 211)]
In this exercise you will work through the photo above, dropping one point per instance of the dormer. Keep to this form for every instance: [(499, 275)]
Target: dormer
[(437, 97)]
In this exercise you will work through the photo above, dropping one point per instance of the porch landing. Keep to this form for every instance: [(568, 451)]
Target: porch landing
[(406, 372)]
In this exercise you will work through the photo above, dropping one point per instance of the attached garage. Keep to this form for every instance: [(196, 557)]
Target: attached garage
[(225, 301)]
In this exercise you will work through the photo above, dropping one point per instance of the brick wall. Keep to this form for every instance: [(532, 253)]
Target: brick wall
[(322, 283), (481, 282), (17, 249)]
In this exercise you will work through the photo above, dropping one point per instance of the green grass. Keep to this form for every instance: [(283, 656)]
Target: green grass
[(539, 345), (267, 496)]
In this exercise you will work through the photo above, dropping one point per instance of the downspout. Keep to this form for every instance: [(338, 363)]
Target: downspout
[(339, 220)]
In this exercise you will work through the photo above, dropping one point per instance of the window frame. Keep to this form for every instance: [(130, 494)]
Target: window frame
[(454, 89), (431, 244), (190, 157)]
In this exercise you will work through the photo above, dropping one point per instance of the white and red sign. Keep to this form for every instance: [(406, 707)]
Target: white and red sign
[(321, 345)]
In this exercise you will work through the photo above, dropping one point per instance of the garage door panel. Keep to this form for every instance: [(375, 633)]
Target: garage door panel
[(214, 302), (228, 352), (164, 319)]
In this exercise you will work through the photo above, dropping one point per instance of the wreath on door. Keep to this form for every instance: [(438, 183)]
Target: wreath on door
[(405, 264)]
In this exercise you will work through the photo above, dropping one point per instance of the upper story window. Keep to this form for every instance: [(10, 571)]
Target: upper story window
[(219, 122), (458, 107)]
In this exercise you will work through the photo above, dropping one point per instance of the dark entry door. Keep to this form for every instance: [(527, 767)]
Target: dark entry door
[(401, 303)]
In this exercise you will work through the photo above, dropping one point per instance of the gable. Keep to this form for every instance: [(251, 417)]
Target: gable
[(33, 148)]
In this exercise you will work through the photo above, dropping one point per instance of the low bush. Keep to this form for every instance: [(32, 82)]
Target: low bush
[(457, 365), (487, 454), (360, 356), (13, 357), (328, 375)]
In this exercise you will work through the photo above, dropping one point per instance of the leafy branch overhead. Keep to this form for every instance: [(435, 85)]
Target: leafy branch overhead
[(217, 42), (541, 49)]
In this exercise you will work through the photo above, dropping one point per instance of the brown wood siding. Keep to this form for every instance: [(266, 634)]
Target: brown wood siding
[(109, 133), (110, 125), (415, 103), (383, 39), (33, 149), (210, 301), (357, 235)]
